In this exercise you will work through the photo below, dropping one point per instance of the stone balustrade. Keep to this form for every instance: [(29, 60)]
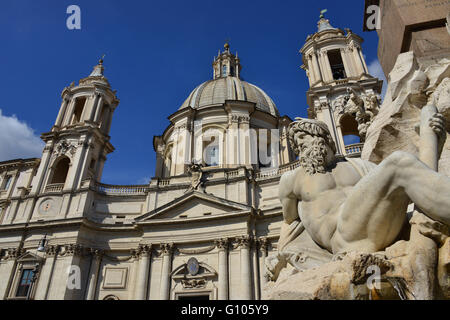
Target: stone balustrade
[(354, 150), (54, 188), (277, 172), (232, 174), (164, 182), (121, 190)]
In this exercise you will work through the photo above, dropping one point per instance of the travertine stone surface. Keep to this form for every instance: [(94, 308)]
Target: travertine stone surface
[(396, 126), (357, 211)]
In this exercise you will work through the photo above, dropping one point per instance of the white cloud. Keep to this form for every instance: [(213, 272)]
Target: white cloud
[(376, 70), (17, 139), (144, 180)]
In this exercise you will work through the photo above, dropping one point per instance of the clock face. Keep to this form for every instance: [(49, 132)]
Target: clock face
[(193, 266), (47, 207)]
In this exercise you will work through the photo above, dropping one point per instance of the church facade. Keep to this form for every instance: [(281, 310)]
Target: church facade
[(203, 226)]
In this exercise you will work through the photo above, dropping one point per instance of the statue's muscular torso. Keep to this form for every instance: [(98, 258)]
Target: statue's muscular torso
[(321, 197)]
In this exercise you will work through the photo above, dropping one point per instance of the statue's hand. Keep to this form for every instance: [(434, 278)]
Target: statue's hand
[(437, 123)]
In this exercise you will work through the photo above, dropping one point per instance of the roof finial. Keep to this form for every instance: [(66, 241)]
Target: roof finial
[(322, 13), (101, 59), (227, 45)]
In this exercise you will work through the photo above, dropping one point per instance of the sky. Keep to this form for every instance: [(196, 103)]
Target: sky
[(157, 52)]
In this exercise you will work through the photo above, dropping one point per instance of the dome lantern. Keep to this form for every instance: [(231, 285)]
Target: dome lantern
[(226, 64)]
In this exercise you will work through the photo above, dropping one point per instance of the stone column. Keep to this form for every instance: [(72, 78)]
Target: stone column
[(98, 109), (357, 60), (166, 250), (347, 66), (245, 145), (316, 67), (144, 252), (68, 115), (94, 106), (46, 274), (310, 68), (363, 62), (256, 271), (263, 245), (62, 112), (93, 276), (326, 67), (246, 279), (222, 245)]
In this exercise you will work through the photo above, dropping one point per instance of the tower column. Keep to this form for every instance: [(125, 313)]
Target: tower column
[(94, 106), (98, 109), (68, 116), (326, 67), (62, 111), (363, 60), (347, 65), (166, 268), (312, 73), (222, 244), (316, 67), (357, 60)]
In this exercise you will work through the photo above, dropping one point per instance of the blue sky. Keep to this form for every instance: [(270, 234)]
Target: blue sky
[(157, 52)]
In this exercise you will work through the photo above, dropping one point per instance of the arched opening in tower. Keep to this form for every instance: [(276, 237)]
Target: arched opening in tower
[(349, 129), (337, 65), (78, 110), (60, 171)]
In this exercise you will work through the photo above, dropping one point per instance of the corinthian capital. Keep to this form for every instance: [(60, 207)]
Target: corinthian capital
[(167, 248), (263, 244), (97, 253), (144, 250), (222, 244), (52, 250), (244, 241)]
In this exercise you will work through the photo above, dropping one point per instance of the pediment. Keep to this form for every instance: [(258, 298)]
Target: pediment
[(194, 205), (29, 257)]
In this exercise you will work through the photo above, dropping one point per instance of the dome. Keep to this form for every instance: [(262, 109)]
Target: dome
[(217, 91)]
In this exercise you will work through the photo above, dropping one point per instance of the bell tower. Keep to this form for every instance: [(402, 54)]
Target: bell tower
[(342, 93), (78, 143)]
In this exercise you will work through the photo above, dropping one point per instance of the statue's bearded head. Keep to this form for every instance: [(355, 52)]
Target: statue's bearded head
[(312, 142)]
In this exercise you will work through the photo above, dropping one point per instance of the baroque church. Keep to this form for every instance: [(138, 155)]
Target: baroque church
[(203, 226)]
